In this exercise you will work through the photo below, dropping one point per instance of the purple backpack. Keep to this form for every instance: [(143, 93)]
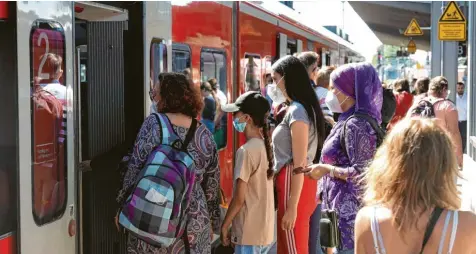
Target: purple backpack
[(156, 209)]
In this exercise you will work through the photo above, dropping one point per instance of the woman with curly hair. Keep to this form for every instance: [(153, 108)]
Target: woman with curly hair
[(179, 101)]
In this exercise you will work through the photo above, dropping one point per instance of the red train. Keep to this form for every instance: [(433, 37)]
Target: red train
[(111, 52)]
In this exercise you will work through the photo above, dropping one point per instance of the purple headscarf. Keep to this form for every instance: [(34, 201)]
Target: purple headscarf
[(361, 82)]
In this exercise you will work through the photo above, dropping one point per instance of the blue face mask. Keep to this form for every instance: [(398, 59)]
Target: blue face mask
[(239, 127)]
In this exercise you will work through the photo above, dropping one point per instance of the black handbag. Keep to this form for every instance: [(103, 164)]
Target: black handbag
[(329, 229), (329, 233)]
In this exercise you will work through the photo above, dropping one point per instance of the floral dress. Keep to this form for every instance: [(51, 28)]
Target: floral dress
[(344, 196), (204, 204)]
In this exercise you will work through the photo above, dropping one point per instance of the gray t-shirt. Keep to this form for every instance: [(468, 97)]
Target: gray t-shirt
[(282, 145)]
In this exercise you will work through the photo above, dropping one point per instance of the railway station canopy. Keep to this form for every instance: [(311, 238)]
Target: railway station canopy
[(388, 20)]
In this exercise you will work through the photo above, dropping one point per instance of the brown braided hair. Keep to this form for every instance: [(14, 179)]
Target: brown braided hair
[(262, 122)]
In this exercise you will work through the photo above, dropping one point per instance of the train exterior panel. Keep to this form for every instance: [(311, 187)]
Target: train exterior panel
[(208, 36)]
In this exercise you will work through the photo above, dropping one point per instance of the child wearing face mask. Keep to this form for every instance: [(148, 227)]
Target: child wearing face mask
[(251, 212)]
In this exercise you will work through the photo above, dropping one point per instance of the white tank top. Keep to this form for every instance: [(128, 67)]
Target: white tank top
[(378, 240)]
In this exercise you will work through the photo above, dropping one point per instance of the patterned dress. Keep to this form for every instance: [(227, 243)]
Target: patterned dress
[(344, 196), (204, 204)]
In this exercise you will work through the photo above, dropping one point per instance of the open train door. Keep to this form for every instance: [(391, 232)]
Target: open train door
[(47, 201)]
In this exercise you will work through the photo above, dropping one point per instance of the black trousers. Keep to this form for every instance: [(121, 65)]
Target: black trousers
[(462, 130)]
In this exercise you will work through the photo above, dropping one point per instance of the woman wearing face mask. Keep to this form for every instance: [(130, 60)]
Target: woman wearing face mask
[(354, 88), (297, 142)]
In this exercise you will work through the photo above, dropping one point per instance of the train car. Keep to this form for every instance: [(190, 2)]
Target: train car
[(258, 36), (106, 56)]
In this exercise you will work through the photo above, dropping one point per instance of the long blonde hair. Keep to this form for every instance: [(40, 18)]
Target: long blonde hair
[(414, 171)]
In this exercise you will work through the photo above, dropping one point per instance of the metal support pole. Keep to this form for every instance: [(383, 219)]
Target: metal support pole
[(450, 66), (471, 133), (436, 10)]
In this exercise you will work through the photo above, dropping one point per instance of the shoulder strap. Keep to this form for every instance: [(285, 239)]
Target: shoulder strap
[(167, 133), (453, 232), (373, 123), (161, 129), (374, 227), (443, 233), (190, 134), (342, 134), (435, 215)]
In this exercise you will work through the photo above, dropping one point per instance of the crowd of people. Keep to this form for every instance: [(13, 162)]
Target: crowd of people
[(328, 174)]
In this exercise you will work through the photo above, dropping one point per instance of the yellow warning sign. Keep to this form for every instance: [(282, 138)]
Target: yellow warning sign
[(452, 13), (411, 48), (413, 29), (452, 24)]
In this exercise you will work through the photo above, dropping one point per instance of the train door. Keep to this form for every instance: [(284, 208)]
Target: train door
[(113, 82), (46, 128), (158, 44), (8, 131), (100, 30)]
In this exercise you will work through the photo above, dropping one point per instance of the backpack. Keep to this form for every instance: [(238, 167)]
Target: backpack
[(380, 132), (49, 137), (389, 104), (156, 209), (425, 108)]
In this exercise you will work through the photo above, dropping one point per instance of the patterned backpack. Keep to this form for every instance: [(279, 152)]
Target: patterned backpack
[(156, 209)]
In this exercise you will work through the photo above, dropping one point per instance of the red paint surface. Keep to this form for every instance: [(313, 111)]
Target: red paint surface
[(3, 9), (7, 245), (211, 28)]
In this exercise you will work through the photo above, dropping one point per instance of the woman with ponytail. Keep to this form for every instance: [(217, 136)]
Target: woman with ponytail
[(297, 142), (251, 211)]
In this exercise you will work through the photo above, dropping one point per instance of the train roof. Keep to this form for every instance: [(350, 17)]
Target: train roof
[(324, 36)]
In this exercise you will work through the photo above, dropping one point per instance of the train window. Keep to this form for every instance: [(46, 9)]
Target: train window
[(82, 74), (213, 65), (180, 57), (48, 121), (158, 59), (251, 65), (267, 71)]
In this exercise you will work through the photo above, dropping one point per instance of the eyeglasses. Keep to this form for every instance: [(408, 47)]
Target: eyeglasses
[(152, 94)]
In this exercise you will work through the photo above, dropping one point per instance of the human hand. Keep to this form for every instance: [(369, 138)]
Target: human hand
[(224, 236), (289, 219), (316, 171), (116, 221)]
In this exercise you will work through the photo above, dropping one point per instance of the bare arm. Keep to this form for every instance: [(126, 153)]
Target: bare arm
[(453, 129), (237, 202), (299, 139), (361, 231)]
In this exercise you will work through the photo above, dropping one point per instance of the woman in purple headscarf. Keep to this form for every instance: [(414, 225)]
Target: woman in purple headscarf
[(354, 88)]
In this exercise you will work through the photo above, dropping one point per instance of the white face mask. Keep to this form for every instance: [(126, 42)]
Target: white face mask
[(333, 103), (153, 107), (275, 93)]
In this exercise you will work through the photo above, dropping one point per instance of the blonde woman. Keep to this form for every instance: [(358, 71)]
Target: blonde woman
[(411, 197)]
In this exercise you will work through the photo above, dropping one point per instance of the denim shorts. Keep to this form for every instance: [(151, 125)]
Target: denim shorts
[(252, 249)]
